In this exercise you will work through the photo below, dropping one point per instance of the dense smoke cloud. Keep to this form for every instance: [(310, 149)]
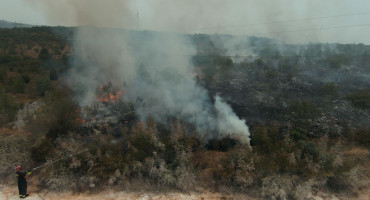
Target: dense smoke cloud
[(154, 71)]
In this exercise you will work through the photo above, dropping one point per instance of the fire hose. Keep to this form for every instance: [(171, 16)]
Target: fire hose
[(54, 161)]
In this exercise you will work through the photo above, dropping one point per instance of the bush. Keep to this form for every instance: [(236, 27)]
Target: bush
[(58, 178), (26, 78), (44, 54), (350, 181), (223, 144), (53, 75), (238, 168), (361, 136), (329, 90), (8, 108), (336, 61), (264, 139), (303, 110), (310, 148), (360, 99), (144, 142), (64, 114), (57, 117), (14, 150), (286, 187), (276, 187), (42, 85), (18, 85), (42, 151), (298, 134), (3, 74)]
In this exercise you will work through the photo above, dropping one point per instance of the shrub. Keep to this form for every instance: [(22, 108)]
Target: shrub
[(14, 150), (185, 177), (159, 171), (361, 136), (286, 187), (40, 152), (3, 74), (360, 99), (18, 85), (303, 110), (357, 178), (238, 167), (8, 108), (44, 54), (309, 148), (59, 178), (42, 85), (302, 190), (53, 74), (298, 134), (336, 61), (276, 187), (144, 142), (264, 138), (351, 181), (223, 144), (329, 90), (26, 78)]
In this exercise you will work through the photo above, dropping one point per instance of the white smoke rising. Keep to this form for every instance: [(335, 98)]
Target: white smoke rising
[(153, 69), (228, 122)]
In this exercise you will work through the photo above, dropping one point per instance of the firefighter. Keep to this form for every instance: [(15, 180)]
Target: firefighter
[(22, 181)]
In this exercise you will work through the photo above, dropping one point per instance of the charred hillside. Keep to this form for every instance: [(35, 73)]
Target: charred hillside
[(284, 83), (154, 126)]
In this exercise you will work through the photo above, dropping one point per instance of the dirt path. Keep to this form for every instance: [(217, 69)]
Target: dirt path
[(11, 193)]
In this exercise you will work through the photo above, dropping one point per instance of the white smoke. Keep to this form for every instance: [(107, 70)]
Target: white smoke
[(153, 69), (229, 123)]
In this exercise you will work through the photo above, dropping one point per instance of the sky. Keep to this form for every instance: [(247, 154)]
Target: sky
[(291, 21)]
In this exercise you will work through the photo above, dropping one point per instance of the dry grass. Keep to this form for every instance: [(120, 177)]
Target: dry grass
[(362, 154), (14, 150), (357, 151)]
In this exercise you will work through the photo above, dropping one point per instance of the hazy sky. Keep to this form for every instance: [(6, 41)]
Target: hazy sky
[(344, 21)]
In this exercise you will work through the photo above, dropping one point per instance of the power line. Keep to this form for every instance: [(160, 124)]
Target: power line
[(313, 29), (284, 21), (275, 56)]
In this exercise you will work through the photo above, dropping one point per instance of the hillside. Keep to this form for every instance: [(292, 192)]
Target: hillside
[(7, 24), (307, 108)]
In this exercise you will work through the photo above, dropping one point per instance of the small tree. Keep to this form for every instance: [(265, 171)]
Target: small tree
[(53, 74), (44, 54), (42, 85), (2, 74)]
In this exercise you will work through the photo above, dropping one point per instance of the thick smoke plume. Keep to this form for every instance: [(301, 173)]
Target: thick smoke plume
[(154, 71)]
